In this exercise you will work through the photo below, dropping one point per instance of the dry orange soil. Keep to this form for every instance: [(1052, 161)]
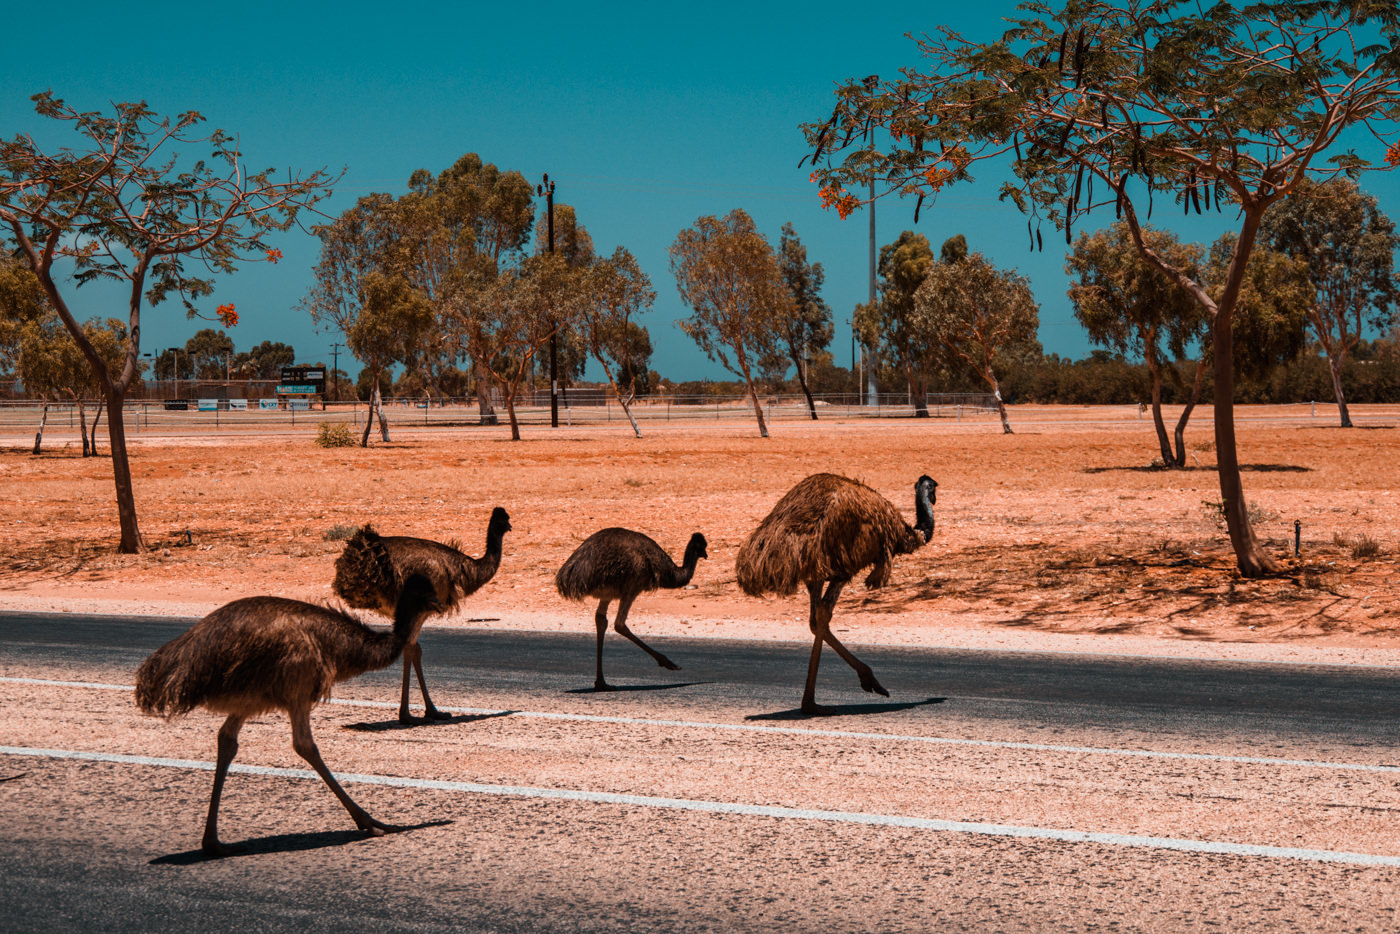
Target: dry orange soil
[(1058, 536)]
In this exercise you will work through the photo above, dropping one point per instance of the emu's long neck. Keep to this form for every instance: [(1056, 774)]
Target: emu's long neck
[(487, 564), (370, 650), (681, 575)]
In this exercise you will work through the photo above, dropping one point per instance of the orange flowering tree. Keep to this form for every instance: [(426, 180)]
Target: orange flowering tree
[(149, 202), (1103, 106)]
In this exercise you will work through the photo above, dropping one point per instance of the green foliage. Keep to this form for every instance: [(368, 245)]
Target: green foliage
[(209, 353), (335, 435), (1271, 311), (22, 302), (265, 361), (729, 276), (806, 330)]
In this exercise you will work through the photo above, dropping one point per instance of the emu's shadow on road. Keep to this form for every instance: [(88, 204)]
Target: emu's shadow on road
[(284, 843), (384, 726), (624, 688), (846, 710)]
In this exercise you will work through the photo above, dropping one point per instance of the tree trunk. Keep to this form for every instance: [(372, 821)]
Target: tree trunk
[(82, 426), (757, 409), (627, 408), (369, 413), (121, 472), (802, 381), (622, 400), (514, 422), (1249, 557), (383, 419), (918, 394), (43, 420), (1186, 412), (483, 396), (991, 379), (1164, 444), (1335, 365), (95, 419)]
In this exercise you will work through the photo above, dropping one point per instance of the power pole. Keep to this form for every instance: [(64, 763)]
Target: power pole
[(547, 189), (335, 372)]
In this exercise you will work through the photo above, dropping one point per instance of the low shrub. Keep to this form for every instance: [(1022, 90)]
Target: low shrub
[(335, 435)]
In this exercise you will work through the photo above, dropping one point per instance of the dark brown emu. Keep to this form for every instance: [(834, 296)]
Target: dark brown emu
[(268, 653), (826, 530), (618, 564), (454, 576)]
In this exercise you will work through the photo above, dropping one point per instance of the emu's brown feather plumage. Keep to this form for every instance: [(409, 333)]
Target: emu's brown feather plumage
[(825, 528), (825, 531), (619, 564), (270, 653), (454, 577)]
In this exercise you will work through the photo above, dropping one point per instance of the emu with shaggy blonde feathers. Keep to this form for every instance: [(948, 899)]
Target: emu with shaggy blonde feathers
[(619, 564), (261, 654), (826, 530), (454, 576)]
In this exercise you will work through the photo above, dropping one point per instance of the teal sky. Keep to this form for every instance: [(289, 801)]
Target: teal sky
[(647, 118)]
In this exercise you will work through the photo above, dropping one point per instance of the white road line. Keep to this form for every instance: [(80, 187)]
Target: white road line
[(752, 810), (830, 734)]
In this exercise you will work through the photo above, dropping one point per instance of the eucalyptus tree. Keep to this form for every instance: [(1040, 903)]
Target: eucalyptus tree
[(975, 311), (1100, 104), (1131, 307), (22, 302), (516, 316), (1349, 246), (729, 276), (616, 289), (888, 322), (209, 352), (266, 359), (807, 330), (572, 243), (148, 202), (393, 319), (461, 228), (52, 365)]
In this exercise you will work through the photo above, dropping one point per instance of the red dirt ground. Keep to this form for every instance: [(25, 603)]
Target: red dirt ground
[(1061, 533)]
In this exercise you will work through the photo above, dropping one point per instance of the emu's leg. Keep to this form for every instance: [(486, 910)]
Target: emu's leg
[(228, 748), (404, 715), (305, 747), (429, 711), (868, 681), (620, 624), (809, 703), (600, 621)]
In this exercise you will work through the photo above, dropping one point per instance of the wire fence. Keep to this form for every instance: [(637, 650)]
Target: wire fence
[(577, 407)]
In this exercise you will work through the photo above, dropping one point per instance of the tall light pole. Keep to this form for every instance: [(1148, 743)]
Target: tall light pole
[(335, 371), (868, 352), (547, 189)]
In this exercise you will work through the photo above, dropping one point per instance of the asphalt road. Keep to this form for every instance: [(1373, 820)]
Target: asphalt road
[(87, 850)]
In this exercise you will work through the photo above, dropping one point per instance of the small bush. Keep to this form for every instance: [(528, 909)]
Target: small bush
[(1364, 546), (340, 533), (335, 435), (1215, 512)]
